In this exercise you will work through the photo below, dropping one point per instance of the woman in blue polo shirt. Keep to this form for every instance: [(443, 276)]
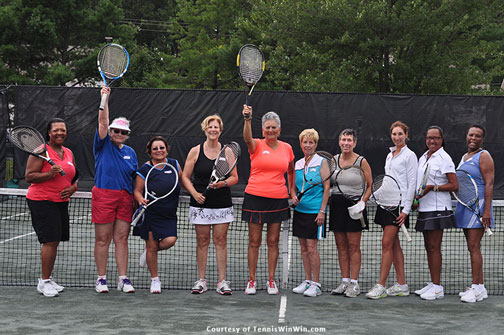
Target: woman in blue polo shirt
[(112, 196)]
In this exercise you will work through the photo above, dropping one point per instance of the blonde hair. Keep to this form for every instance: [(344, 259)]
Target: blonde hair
[(208, 119), (310, 134)]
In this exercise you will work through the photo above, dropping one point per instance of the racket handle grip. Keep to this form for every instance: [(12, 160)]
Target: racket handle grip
[(362, 222), (415, 202), (489, 231), (320, 232), (51, 162), (62, 173), (405, 232), (135, 221), (103, 100), (205, 192)]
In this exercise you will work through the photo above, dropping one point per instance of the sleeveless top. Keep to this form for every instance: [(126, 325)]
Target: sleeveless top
[(219, 198), (349, 183)]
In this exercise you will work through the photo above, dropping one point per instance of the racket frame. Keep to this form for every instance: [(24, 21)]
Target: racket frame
[(353, 198), (155, 198), (249, 83), (476, 204), (104, 75), (42, 154), (391, 209), (421, 189)]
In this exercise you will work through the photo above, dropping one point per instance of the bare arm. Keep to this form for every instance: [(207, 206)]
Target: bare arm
[(139, 190), (191, 159), (33, 169), (487, 171), (290, 176), (103, 115), (247, 129), (369, 179), (325, 198), (451, 186)]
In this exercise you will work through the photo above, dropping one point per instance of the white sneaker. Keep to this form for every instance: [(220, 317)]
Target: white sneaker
[(472, 296), (46, 288), (200, 286), (313, 290), (125, 286), (57, 287), (101, 285), (143, 258), (155, 286), (433, 293), (353, 290), (272, 287), (468, 289), (377, 292), (424, 289), (301, 288), (398, 290), (251, 287), (223, 288), (484, 293)]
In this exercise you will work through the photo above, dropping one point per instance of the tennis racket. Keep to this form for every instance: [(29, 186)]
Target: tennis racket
[(113, 62), (250, 63), (315, 175), (224, 164), (31, 141), (421, 189), (351, 184), (386, 192), (468, 195), (160, 182)]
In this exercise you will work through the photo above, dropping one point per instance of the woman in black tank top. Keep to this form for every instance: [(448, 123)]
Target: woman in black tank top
[(213, 212)]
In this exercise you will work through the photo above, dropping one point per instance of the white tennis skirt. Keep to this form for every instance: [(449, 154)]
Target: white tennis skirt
[(198, 215)]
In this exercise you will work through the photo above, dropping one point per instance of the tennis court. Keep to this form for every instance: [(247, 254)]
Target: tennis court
[(177, 311)]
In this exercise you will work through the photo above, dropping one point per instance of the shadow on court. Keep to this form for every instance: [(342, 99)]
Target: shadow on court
[(82, 311)]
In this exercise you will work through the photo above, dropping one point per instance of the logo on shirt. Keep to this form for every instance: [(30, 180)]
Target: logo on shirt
[(70, 163), (313, 169), (168, 171), (266, 152), (127, 157)]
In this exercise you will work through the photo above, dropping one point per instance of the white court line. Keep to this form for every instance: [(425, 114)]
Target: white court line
[(283, 309), (12, 216), (15, 238)]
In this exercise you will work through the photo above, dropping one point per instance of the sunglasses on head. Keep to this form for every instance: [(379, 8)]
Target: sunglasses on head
[(123, 132), (160, 148)]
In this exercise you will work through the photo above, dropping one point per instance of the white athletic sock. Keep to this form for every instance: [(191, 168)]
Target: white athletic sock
[(154, 278), (354, 281), (346, 280)]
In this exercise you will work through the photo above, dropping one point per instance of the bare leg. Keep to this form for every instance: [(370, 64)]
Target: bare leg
[(220, 241), (48, 257), (203, 240)]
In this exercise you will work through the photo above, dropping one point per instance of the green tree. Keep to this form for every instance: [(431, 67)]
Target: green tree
[(56, 42)]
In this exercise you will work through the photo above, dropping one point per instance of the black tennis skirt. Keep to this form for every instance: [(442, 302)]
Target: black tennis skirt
[(304, 225), (340, 220), (385, 218), (264, 210), (435, 220)]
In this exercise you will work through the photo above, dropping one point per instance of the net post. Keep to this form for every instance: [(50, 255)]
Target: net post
[(285, 253)]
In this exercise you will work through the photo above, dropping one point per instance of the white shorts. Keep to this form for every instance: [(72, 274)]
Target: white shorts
[(198, 215)]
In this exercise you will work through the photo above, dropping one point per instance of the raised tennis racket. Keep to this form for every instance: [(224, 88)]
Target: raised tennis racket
[(224, 164), (160, 182), (316, 175), (386, 192), (468, 195), (422, 186), (113, 62), (351, 184), (250, 63), (31, 141)]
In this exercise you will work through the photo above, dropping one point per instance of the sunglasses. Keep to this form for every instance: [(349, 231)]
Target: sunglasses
[(123, 132), (160, 148)]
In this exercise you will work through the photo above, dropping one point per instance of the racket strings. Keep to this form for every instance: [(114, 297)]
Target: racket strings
[(251, 65), (386, 192), (27, 139), (113, 61), (226, 160), (466, 191)]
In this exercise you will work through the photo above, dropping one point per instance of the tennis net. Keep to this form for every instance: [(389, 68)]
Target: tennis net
[(75, 267)]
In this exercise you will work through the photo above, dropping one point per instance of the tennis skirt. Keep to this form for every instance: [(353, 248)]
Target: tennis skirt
[(264, 210), (200, 215), (385, 218), (435, 220), (304, 225), (340, 220), (160, 227)]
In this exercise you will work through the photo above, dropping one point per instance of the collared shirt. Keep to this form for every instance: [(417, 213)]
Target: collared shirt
[(440, 163), (403, 167)]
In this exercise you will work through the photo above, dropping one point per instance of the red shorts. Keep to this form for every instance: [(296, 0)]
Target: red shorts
[(109, 205)]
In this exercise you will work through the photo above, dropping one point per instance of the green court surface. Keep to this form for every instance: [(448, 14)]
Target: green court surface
[(82, 311)]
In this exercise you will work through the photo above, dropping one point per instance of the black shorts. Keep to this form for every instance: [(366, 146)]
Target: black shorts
[(160, 227), (50, 220), (385, 218), (340, 220), (435, 220), (264, 210), (304, 225)]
